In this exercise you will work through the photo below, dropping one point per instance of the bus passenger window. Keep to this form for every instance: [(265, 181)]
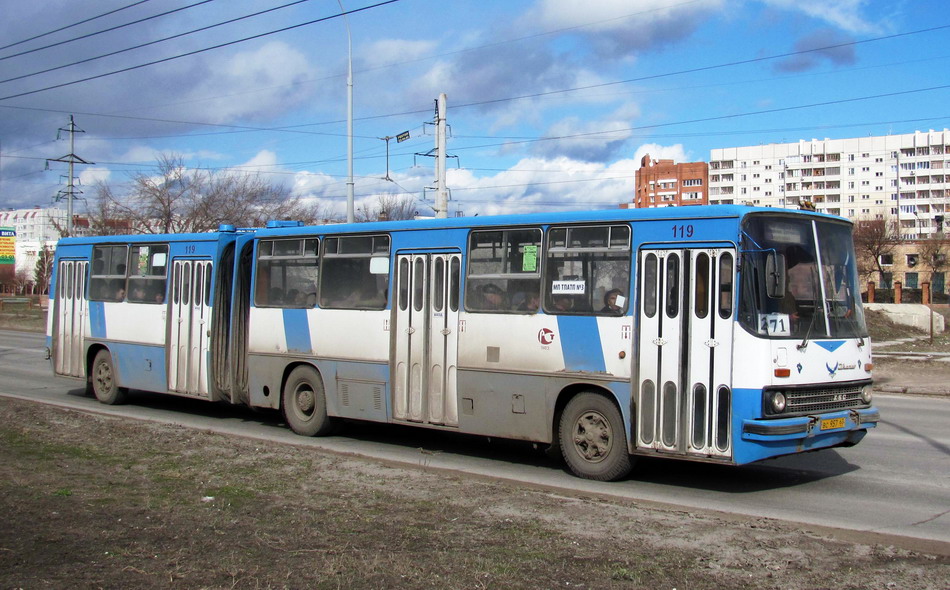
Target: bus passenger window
[(147, 273), (287, 272), (354, 272), (588, 270), (504, 274), (107, 279)]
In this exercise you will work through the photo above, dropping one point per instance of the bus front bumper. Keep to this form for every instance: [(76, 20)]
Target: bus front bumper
[(810, 426)]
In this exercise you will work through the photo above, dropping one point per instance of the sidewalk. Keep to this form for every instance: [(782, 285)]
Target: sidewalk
[(906, 372)]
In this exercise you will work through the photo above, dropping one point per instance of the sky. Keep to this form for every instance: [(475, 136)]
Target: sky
[(551, 104)]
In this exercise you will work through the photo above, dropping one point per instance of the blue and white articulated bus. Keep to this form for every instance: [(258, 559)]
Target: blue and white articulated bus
[(722, 334)]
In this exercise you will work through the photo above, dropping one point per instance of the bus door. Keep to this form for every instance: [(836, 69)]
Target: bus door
[(426, 338), (71, 311), (189, 325), (685, 351)]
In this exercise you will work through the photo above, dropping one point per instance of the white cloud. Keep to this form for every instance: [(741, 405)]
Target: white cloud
[(844, 14), (263, 161), (616, 28), (256, 84), (543, 184), (90, 176), (662, 152), (590, 139)]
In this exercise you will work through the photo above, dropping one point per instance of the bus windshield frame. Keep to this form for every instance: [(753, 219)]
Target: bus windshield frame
[(782, 292)]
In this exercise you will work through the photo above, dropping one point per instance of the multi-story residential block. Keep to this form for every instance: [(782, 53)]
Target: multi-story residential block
[(662, 183), (35, 229), (900, 177)]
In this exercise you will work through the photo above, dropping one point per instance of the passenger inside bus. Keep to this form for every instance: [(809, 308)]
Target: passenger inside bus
[(530, 302), (563, 303), (492, 297), (613, 302)]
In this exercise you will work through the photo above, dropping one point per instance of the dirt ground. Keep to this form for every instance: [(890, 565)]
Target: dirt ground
[(90, 501)]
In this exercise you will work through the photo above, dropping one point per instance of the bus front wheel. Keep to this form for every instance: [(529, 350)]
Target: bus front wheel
[(592, 438), (104, 384), (304, 403)]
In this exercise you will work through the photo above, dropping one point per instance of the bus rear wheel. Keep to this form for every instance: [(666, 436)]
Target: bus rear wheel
[(593, 440), (304, 403), (104, 384)]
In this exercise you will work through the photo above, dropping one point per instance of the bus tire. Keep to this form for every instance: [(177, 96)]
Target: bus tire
[(593, 439), (104, 384), (304, 403)]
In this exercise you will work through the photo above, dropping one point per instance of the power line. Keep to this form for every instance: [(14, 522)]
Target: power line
[(110, 29), (90, 19), (157, 41), (197, 51), (704, 68), (290, 128)]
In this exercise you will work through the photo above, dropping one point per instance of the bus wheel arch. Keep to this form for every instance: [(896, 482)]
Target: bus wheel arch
[(591, 434), (303, 401), (103, 378)]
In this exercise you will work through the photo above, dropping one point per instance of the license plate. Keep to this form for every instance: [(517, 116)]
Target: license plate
[(832, 423)]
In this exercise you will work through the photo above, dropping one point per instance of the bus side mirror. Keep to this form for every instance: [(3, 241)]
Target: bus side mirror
[(775, 275)]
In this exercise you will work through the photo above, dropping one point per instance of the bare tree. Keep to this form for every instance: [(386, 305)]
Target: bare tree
[(21, 280), (178, 199), (933, 254), (874, 239), (43, 269), (388, 207)]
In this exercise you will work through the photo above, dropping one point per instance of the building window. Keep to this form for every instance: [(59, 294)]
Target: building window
[(911, 279)]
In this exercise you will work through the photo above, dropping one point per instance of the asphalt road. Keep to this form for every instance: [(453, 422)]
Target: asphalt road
[(895, 483)]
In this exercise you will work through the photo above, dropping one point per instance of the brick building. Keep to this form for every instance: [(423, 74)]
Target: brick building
[(663, 183)]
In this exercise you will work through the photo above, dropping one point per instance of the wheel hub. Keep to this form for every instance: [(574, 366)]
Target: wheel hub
[(305, 401), (592, 437)]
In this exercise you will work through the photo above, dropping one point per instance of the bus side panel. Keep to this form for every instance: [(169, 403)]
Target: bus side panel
[(140, 366), (543, 343), (513, 368), (350, 348), (140, 323), (522, 406)]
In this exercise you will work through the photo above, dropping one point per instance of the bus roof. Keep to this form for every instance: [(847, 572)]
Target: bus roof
[(617, 215), (227, 233)]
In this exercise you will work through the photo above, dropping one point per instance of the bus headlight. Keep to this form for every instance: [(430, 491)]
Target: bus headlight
[(866, 395), (777, 402)]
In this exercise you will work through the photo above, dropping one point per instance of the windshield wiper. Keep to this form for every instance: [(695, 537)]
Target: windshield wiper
[(811, 325), (819, 300)]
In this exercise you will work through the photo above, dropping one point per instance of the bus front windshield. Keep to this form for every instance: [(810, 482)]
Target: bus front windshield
[(799, 279)]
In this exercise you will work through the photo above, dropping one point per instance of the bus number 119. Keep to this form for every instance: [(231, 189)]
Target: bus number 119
[(682, 231)]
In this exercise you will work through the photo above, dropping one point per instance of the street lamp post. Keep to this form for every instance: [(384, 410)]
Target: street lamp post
[(350, 217)]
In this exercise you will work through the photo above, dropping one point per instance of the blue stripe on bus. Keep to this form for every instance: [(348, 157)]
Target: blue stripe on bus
[(297, 330), (97, 319), (580, 343)]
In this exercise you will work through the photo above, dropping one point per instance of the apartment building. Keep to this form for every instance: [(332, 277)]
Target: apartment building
[(904, 177), (663, 183), (35, 229)]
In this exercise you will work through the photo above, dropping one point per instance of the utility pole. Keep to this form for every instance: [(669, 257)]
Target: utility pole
[(441, 206), (350, 215), (441, 194), (71, 158)]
